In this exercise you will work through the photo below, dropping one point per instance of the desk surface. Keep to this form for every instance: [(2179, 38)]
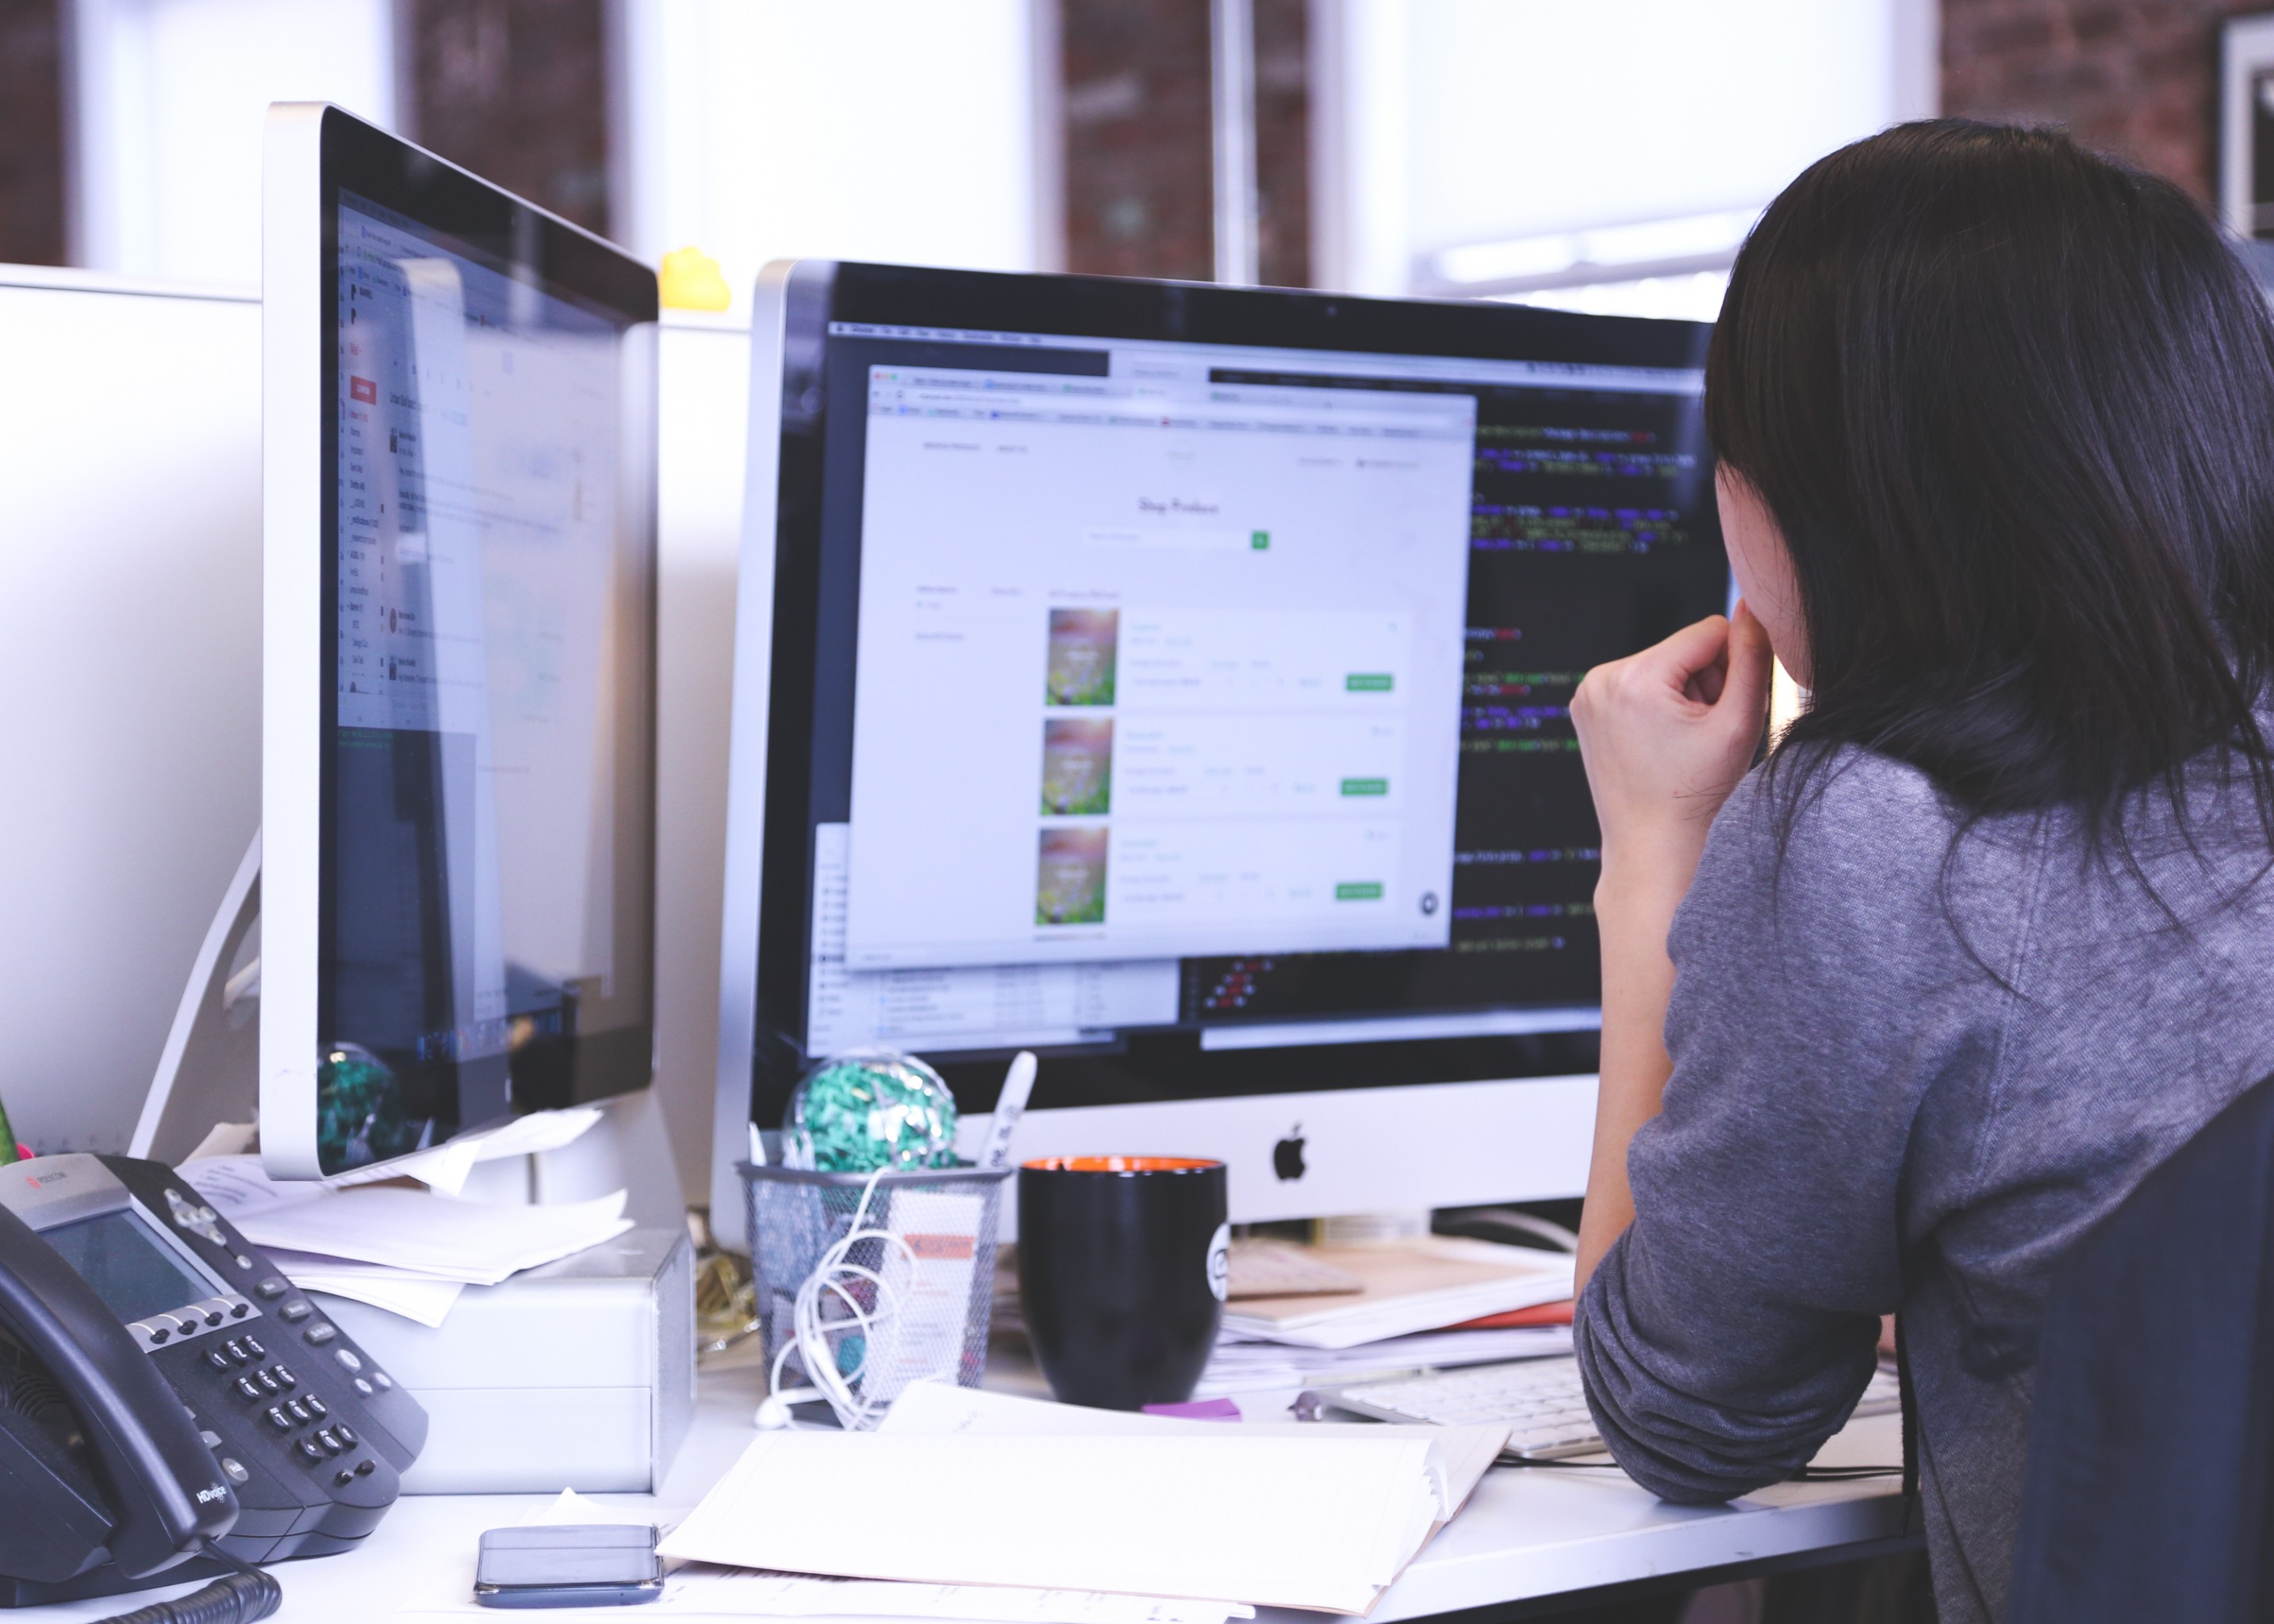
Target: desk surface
[(1526, 1534)]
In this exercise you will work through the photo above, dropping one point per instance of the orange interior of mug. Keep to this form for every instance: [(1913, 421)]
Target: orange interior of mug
[(1121, 1165)]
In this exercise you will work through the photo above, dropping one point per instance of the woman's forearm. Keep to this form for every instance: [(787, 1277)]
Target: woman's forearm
[(1634, 910), (1664, 735)]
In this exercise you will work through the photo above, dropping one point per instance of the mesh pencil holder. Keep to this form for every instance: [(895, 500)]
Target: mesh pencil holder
[(868, 1282)]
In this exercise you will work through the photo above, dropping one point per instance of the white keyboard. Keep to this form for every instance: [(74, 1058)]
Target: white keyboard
[(1539, 1398)]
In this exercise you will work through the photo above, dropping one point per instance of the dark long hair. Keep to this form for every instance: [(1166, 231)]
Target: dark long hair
[(2012, 405)]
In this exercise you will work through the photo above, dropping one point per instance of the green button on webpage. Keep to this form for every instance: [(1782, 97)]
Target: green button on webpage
[(1368, 682), (1359, 891), (1365, 787)]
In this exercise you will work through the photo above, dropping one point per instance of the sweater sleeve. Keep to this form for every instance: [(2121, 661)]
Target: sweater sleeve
[(1820, 991)]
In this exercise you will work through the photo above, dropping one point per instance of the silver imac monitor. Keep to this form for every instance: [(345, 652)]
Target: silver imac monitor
[(458, 746), (1173, 681)]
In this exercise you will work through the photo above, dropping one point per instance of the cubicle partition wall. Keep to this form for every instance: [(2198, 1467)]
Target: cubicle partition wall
[(129, 654)]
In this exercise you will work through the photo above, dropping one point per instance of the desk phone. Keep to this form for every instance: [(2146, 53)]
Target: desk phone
[(165, 1394)]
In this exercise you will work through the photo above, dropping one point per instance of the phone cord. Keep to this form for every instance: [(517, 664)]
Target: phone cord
[(239, 1597)]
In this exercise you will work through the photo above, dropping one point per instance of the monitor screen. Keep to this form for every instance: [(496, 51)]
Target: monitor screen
[(486, 848), (1195, 707)]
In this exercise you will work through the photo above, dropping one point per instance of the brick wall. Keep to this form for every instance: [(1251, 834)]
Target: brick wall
[(2134, 76), (1140, 153), (516, 91), (31, 133)]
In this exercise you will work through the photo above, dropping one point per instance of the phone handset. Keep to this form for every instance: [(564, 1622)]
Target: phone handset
[(165, 1492)]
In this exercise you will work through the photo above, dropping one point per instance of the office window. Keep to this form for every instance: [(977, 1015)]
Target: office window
[(891, 130), (167, 115), (1607, 156)]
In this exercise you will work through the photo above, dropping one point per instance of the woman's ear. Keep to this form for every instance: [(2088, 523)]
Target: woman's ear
[(1759, 559)]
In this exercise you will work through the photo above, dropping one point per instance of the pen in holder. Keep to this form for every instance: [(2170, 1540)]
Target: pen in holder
[(868, 1282)]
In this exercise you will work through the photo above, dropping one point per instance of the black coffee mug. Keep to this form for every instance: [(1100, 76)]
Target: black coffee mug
[(1122, 1264)]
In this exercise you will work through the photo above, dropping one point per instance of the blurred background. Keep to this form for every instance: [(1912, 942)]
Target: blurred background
[(1603, 154)]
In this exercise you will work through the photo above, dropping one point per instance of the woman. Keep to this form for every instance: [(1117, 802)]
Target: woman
[(1986, 937)]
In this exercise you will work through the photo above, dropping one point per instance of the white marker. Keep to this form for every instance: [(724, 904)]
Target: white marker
[(1009, 1106), (757, 1146)]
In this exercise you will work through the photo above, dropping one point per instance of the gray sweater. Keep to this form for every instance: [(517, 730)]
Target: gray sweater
[(1862, 1119)]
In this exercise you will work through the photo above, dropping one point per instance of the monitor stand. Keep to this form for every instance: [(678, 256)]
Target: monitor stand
[(206, 1092)]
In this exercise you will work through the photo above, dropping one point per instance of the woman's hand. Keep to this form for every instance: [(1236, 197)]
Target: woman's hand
[(1666, 734)]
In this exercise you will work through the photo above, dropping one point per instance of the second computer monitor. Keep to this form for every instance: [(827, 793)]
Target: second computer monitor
[(458, 758), (1175, 680)]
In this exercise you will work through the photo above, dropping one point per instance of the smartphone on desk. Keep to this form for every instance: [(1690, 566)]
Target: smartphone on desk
[(580, 1565), (165, 1392)]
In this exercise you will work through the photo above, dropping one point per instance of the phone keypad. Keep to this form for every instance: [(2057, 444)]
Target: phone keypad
[(277, 1402)]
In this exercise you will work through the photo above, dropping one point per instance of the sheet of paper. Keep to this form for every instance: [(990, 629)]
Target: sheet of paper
[(1409, 1287), (1324, 1520), (421, 1230), (437, 1235), (700, 1590), (238, 1186), (448, 1165), (1460, 1455), (1240, 1366), (572, 1507), (420, 1297), (225, 1139)]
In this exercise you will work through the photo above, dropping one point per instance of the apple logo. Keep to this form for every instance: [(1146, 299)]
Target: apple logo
[(1287, 1156)]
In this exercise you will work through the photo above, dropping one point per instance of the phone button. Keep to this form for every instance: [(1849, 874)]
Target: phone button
[(285, 1376), (210, 1439), (363, 1386), (246, 1386), (331, 1441), (271, 1287), (219, 1360), (316, 1406), (295, 1310), (319, 1334), (253, 1348), (235, 1472), (278, 1420), (346, 1358), (310, 1450), (363, 1469)]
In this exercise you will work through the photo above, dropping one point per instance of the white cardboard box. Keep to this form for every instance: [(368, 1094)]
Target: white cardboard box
[(578, 1375)]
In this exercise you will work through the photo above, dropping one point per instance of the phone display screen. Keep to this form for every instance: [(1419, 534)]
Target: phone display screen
[(135, 1273)]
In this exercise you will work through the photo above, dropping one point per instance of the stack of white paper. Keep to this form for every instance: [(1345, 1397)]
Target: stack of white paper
[(406, 1250), (1407, 1287), (448, 1165), (1240, 1366), (992, 1491)]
